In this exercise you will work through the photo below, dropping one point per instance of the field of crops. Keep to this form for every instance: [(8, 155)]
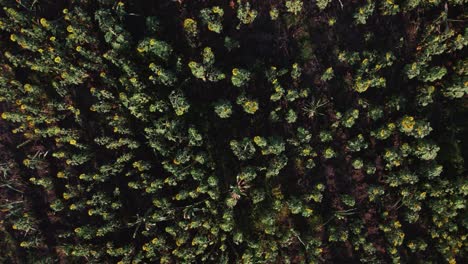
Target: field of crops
[(241, 131)]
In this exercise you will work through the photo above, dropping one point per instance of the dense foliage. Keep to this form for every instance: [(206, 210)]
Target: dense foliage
[(242, 131)]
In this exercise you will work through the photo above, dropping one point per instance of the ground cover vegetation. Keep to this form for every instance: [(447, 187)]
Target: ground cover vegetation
[(242, 131)]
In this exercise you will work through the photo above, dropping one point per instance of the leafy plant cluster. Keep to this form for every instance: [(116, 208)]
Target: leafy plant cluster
[(233, 132)]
